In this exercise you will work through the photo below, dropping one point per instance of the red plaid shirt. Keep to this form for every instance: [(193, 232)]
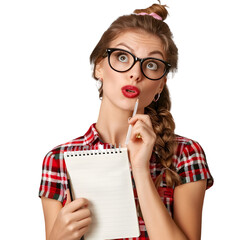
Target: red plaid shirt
[(189, 160)]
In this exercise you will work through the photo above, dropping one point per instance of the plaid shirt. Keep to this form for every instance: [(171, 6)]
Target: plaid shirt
[(189, 160)]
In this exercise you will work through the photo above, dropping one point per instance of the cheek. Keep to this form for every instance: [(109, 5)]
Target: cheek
[(149, 92), (108, 73), (111, 81)]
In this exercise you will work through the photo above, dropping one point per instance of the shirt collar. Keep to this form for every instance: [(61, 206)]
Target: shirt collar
[(92, 135)]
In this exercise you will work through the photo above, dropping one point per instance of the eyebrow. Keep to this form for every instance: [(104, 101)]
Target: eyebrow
[(131, 50)]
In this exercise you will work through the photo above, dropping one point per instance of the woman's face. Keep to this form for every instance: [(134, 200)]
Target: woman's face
[(119, 88)]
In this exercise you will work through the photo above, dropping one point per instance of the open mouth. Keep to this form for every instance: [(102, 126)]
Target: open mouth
[(130, 91)]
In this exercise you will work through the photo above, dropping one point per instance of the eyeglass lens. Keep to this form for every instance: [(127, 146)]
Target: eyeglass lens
[(122, 61)]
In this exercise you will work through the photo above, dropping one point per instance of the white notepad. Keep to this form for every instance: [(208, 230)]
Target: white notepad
[(104, 178)]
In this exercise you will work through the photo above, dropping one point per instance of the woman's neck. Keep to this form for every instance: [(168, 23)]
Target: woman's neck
[(112, 123)]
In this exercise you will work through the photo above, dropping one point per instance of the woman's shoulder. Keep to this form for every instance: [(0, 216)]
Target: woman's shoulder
[(184, 140), (188, 151), (187, 146), (67, 146), (54, 173), (190, 161), (75, 144)]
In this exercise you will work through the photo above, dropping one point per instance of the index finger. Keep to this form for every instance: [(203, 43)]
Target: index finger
[(143, 117), (77, 204)]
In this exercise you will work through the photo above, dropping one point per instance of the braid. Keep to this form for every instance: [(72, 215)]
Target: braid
[(165, 146)]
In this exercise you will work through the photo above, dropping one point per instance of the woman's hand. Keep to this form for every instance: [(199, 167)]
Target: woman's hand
[(140, 149), (72, 221)]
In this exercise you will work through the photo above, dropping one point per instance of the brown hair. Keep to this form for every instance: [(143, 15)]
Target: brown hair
[(159, 112)]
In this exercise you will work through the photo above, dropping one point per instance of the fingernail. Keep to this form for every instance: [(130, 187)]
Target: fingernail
[(129, 118)]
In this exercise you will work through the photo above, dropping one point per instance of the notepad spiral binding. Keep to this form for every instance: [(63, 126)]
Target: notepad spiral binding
[(91, 152)]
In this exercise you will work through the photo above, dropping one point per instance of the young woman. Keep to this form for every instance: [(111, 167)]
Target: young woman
[(170, 172)]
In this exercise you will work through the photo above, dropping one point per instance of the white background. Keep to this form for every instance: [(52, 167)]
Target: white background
[(48, 97)]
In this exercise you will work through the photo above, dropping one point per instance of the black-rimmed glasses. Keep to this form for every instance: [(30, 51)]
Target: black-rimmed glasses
[(122, 61)]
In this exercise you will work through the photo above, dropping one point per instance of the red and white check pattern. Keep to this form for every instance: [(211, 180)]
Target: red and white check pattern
[(189, 160)]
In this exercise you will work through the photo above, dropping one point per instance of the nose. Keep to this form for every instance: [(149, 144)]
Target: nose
[(135, 73)]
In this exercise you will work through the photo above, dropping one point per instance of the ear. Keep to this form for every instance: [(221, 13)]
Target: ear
[(163, 83), (98, 73)]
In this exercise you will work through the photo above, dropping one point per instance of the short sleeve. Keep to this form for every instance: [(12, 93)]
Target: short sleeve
[(54, 177), (192, 164)]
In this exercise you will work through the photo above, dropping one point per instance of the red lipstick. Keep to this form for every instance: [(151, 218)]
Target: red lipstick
[(130, 91)]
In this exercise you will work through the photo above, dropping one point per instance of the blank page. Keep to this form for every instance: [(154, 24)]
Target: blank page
[(103, 177)]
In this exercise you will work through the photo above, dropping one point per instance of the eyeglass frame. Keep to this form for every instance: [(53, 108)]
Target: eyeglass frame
[(109, 51)]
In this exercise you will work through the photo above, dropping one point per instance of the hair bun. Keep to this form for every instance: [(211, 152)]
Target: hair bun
[(155, 8)]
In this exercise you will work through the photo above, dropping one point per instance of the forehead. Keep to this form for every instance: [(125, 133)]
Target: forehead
[(140, 41)]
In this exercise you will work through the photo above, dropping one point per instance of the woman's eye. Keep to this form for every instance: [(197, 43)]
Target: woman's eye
[(152, 66), (123, 58)]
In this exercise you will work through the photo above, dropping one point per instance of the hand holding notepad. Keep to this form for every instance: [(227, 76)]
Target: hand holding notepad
[(104, 178)]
